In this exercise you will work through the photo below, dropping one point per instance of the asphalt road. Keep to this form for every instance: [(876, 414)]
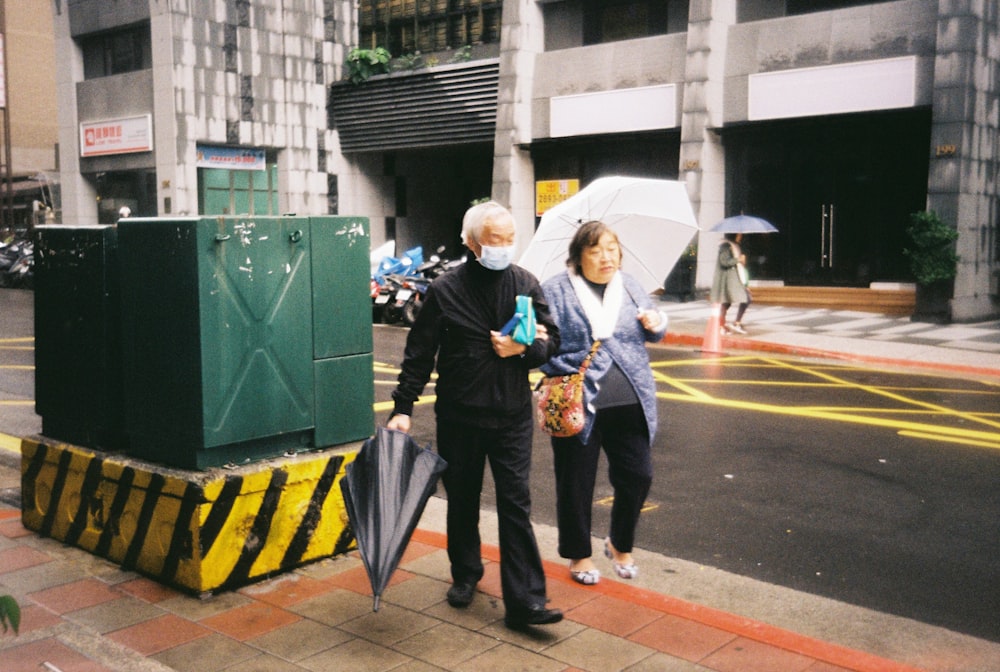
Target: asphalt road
[(876, 488)]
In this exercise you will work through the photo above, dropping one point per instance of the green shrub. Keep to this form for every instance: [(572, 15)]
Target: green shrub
[(363, 63), (931, 248)]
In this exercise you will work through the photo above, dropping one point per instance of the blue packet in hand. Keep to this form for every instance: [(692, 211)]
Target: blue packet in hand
[(521, 327)]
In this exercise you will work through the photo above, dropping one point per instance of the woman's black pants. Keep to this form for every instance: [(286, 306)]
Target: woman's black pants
[(621, 431)]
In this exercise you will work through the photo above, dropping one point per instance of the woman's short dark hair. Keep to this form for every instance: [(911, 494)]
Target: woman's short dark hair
[(588, 235)]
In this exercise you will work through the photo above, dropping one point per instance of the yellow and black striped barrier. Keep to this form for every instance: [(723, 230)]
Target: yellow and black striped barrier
[(197, 531)]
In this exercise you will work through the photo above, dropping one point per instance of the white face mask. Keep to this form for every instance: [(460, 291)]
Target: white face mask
[(496, 258)]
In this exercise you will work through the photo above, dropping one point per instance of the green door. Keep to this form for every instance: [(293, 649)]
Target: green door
[(256, 330)]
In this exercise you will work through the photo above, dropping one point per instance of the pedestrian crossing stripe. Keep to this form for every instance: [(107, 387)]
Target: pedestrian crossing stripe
[(197, 531)]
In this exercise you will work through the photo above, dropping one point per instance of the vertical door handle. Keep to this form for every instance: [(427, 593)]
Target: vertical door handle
[(822, 239), (833, 224)]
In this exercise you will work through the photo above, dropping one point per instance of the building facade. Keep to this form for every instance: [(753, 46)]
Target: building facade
[(29, 185), (834, 119)]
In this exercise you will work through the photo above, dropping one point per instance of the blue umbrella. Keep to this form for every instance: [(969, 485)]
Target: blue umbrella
[(744, 224)]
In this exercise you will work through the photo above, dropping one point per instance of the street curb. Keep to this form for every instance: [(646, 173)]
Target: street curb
[(833, 654), (743, 344)]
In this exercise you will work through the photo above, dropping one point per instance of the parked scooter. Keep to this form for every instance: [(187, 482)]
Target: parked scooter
[(386, 280), (17, 262), (437, 265)]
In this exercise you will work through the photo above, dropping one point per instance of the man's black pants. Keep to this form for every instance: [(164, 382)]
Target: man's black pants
[(508, 449)]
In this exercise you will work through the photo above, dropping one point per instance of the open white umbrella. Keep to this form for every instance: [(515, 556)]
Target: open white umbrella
[(653, 219)]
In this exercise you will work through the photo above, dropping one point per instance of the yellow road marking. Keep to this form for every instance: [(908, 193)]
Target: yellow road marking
[(10, 443), (937, 437), (972, 417)]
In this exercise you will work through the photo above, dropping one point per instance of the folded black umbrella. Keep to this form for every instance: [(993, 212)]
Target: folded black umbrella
[(385, 490)]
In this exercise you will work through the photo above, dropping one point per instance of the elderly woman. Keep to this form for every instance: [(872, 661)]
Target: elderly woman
[(594, 301)]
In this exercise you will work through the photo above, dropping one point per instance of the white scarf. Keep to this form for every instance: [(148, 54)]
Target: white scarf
[(602, 315)]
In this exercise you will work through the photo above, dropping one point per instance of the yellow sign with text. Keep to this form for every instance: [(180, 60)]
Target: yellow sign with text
[(553, 192)]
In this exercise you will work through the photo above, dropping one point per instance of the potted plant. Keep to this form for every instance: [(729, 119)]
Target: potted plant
[(934, 263)]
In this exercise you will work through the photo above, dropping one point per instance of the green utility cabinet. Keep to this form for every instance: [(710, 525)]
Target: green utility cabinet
[(244, 337), (77, 339)]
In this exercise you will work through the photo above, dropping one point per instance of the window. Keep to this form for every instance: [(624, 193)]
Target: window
[(613, 20), (113, 53), (410, 26)]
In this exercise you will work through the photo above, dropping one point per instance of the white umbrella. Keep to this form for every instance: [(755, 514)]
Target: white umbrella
[(653, 219)]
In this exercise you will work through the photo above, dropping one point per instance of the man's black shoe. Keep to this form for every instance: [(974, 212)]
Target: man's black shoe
[(521, 619), (461, 594)]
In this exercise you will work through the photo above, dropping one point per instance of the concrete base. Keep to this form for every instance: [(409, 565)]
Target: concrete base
[(199, 531)]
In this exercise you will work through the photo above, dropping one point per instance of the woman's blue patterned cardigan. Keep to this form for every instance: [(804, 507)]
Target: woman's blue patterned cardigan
[(626, 347)]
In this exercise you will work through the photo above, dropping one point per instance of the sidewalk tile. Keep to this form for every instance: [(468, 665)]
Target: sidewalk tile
[(745, 655), (508, 657), (299, 640), (76, 595), (212, 653), (596, 650), (390, 624), (115, 614), (613, 616), (355, 655), (682, 638), (446, 645), (288, 589), (250, 620), (148, 590), (19, 557), (159, 634), (35, 617), (29, 658)]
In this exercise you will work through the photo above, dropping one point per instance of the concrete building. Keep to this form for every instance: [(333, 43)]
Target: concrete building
[(28, 114), (834, 119)]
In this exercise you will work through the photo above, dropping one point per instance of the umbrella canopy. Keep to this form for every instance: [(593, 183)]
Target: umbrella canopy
[(653, 219), (385, 490), (744, 224)]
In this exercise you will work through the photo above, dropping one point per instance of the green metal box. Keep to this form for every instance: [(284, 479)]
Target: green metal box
[(77, 342), (220, 337)]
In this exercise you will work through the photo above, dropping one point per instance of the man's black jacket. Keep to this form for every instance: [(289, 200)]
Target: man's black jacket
[(474, 385)]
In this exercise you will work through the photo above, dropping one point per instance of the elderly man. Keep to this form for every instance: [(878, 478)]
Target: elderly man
[(483, 408)]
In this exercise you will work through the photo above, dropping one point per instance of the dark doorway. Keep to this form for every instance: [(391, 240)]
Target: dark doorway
[(839, 189)]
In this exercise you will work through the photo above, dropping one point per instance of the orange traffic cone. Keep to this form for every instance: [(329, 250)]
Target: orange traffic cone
[(713, 331)]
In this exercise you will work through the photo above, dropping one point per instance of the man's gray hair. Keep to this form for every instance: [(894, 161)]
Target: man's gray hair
[(477, 216)]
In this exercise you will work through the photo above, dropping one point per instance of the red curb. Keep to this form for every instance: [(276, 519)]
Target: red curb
[(834, 654), (777, 348)]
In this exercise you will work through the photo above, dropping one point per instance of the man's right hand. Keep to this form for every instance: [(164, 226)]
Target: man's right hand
[(400, 423)]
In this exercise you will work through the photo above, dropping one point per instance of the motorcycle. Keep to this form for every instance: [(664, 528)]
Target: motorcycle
[(436, 266), (386, 281), (393, 295), (17, 262)]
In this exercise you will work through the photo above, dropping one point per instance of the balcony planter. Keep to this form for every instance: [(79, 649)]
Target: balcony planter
[(933, 262)]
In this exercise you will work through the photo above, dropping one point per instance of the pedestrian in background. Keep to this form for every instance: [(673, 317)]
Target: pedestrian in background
[(483, 408), (594, 301), (729, 285)]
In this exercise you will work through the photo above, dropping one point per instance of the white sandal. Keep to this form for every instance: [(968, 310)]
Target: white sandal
[(587, 577), (623, 570)]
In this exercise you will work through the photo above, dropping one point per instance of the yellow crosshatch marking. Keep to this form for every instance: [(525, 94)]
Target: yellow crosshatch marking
[(907, 410)]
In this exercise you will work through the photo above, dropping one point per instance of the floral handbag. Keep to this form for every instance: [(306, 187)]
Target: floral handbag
[(559, 400)]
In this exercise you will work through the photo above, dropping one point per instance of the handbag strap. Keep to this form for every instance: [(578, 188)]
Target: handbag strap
[(590, 355)]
